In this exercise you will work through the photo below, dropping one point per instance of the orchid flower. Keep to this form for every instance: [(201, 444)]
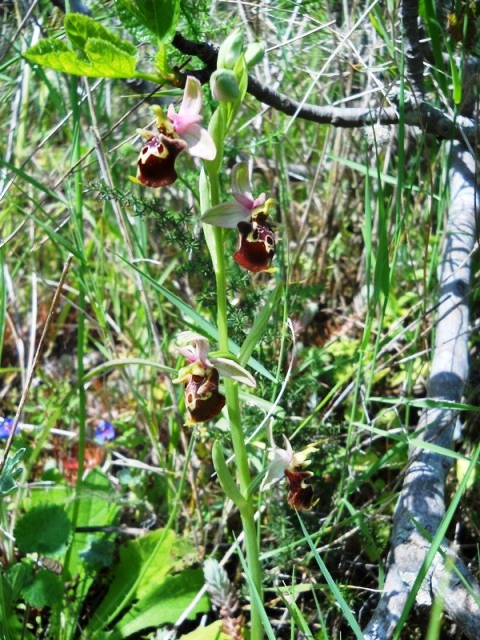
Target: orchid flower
[(176, 132), (250, 216), (286, 463), (201, 377)]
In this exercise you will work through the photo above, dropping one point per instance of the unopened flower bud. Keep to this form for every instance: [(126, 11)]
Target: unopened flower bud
[(230, 50), (254, 53), (224, 85)]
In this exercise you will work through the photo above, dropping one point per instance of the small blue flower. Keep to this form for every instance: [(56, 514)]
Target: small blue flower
[(104, 431), (6, 425)]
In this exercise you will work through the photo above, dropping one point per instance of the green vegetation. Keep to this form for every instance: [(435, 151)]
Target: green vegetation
[(131, 505)]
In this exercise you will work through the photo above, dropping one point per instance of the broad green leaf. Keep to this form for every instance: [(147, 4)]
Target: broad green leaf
[(164, 604), (45, 590), (143, 569), (109, 60), (97, 506), (44, 529), (80, 29), (128, 19), (106, 60), (159, 16), (210, 632)]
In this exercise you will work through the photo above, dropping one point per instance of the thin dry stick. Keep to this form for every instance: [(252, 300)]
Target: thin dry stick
[(421, 505), (34, 364)]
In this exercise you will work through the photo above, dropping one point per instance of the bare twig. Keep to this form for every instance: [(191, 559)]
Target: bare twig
[(421, 506)]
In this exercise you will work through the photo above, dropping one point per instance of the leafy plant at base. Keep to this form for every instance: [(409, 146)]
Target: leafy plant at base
[(44, 529)]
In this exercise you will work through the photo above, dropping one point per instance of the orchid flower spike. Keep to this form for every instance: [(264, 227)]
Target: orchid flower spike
[(286, 463), (176, 132), (201, 377), (250, 216)]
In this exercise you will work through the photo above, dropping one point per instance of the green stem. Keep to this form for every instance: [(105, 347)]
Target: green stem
[(245, 506)]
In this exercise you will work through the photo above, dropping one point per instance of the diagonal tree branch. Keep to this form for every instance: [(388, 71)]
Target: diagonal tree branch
[(421, 506), (421, 114)]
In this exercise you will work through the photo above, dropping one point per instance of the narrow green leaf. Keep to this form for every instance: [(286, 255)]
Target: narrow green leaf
[(259, 326), (332, 584), (225, 477), (10, 472)]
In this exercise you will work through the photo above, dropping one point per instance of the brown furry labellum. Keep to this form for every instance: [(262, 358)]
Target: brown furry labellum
[(156, 162), (300, 491), (202, 398), (257, 245)]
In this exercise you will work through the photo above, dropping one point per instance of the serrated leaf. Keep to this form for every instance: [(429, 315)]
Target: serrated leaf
[(128, 19), (105, 59), (108, 60), (160, 17), (44, 529), (80, 29), (45, 590)]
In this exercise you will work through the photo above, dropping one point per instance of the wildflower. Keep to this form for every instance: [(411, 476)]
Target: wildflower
[(201, 377), (286, 463), (104, 431), (250, 216), (176, 132), (6, 425)]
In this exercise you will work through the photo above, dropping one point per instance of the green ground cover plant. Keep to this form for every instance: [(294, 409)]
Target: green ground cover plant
[(238, 371)]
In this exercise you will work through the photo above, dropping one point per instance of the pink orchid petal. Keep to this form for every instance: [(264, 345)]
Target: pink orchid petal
[(196, 347), (245, 200), (199, 142), (260, 201), (227, 215), (180, 122)]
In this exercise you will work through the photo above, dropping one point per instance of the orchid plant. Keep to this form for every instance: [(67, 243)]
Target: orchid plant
[(251, 216)]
